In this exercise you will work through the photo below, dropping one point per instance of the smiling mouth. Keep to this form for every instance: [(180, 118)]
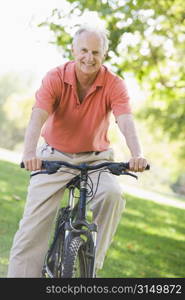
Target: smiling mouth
[(88, 65)]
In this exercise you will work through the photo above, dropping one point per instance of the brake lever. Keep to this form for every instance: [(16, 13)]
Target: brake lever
[(51, 168), (114, 169)]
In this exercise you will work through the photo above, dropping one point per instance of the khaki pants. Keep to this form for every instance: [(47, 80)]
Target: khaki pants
[(44, 194)]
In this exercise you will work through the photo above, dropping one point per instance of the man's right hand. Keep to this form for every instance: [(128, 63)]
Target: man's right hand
[(37, 120), (32, 163)]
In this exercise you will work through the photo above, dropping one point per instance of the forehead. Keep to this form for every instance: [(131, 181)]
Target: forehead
[(89, 40)]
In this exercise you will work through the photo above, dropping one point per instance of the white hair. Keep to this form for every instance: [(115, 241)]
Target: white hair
[(103, 33)]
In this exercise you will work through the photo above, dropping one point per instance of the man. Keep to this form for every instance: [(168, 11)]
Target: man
[(74, 104)]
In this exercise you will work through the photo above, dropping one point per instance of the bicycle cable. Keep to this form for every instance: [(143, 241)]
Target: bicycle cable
[(90, 186), (97, 184)]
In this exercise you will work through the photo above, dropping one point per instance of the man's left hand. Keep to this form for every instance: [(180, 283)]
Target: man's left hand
[(137, 164)]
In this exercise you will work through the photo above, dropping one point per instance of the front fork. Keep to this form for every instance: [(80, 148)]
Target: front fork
[(94, 238), (71, 205), (91, 251)]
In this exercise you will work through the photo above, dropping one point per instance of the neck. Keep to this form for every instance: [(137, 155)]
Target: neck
[(85, 80)]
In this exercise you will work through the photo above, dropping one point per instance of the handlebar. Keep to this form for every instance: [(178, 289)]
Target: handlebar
[(52, 167)]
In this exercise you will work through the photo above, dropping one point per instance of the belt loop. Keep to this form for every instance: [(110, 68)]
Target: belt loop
[(52, 150), (44, 147)]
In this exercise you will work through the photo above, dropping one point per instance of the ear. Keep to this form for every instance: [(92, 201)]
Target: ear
[(106, 55)]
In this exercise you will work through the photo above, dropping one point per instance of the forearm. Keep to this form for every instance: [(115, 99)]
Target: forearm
[(33, 131), (127, 127)]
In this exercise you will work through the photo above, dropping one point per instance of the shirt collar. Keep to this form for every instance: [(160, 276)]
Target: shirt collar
[(70, 78)]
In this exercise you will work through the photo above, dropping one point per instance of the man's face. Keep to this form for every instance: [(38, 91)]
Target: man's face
[(88, 52)]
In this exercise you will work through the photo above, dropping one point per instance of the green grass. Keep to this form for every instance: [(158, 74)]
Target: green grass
[(13, 182), (149, 242)]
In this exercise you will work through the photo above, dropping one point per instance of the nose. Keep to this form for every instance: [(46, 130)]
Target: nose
[(90, 56)]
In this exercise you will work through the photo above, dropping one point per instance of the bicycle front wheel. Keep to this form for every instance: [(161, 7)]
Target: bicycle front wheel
[(75, 262)]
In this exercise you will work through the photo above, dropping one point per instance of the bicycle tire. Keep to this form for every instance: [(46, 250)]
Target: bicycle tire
[(58, 256), (75, 262), (53, 261)]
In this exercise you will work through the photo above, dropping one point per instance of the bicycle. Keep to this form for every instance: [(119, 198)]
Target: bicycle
[(72, 252)]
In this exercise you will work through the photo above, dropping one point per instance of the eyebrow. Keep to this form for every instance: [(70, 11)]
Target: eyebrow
[(95, 51)]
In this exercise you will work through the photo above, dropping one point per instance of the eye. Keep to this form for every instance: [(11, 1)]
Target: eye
[(95, 52), (83, 50)]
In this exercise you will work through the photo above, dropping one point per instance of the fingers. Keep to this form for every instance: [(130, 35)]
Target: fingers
[(32, 164), (137, 164)]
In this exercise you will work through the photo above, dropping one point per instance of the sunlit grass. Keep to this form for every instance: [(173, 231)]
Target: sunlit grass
[(149, 242), (12, 199)]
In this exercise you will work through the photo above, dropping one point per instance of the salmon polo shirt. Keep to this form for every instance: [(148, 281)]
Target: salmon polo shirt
[(75, 127)]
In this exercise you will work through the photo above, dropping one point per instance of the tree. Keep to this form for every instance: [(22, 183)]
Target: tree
[(146, 39), (15, 104)]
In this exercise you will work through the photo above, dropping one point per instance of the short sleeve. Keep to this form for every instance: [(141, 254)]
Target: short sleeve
[(119, 98), (49, 93)]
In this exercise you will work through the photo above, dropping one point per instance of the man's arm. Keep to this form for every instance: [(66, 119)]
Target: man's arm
[(127, 127), (37, 120)]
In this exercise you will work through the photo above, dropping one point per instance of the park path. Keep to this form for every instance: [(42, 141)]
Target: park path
[(127, 188), (153, 196)]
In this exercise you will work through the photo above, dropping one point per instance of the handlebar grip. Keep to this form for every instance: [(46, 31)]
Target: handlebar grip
[(127, 166), (23, 166)]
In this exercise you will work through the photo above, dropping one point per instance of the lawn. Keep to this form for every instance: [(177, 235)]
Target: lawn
[(149, 242)]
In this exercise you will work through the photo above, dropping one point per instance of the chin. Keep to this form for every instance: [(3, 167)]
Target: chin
[(91, 71)]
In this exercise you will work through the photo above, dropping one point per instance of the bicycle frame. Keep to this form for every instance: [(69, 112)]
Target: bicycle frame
[(76, 223), (81, 225)]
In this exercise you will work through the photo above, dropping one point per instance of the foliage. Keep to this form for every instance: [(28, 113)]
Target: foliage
[(15, 107), (17, 110), (149, 241), (147, 39)]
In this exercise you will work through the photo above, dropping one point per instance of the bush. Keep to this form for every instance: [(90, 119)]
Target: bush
[(179, 185)]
